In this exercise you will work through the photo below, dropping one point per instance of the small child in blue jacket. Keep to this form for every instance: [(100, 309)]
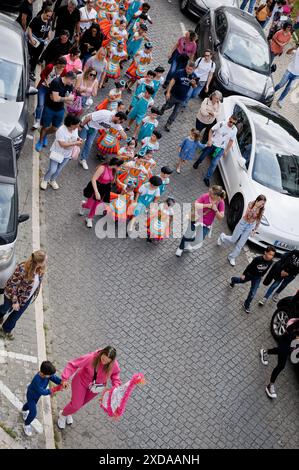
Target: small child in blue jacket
[(37, 388)]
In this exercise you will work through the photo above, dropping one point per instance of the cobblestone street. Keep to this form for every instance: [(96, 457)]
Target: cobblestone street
[(175, 320)]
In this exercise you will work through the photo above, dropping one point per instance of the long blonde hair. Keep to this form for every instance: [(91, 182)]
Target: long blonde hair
[(32, 262)]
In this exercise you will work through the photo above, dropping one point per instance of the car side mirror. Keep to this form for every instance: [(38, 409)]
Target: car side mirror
[(23, 217), (273, 68), (32, 91), (242, 163)]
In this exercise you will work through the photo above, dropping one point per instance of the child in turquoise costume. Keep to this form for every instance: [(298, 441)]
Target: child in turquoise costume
[(139, 111)]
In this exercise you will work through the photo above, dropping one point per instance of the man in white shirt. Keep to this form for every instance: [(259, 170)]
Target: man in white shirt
[(90, 125), (221, 138), (291, 74), (87, 15), (204, 71)]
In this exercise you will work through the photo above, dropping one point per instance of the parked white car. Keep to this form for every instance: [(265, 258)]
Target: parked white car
[(264, 159)]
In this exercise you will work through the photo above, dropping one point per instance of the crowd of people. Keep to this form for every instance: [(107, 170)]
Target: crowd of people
[(81, 46)]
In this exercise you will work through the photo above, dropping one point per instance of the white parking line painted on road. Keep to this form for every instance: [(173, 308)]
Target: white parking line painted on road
[(183, 28), (18, 356), (19, 405)]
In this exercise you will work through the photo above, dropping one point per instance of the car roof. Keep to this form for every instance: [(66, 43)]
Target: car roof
[(238, 13), (12, 39), (7, 158)]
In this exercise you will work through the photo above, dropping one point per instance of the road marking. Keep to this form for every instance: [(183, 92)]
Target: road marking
[(12, 355), (2, 360), (19, 405), (183, 28)]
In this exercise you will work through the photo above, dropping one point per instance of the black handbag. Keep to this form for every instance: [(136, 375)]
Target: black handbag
[(88, 190)]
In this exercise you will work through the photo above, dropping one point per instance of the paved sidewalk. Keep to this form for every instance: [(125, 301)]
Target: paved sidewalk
[(7, 442)]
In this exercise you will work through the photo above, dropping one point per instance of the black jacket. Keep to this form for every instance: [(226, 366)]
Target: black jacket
[(289, 262), (54, 50)]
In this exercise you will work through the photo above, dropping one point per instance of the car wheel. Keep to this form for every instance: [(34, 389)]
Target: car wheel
[(278, 323), (184, 6), (235, 211)]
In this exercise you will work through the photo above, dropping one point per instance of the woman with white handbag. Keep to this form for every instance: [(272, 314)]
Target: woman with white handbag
[(65, 147)]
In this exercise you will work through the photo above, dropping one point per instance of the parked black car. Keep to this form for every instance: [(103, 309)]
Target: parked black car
[(9, 211), (241, 53), (200, 7), (287, 308), (14, 82)]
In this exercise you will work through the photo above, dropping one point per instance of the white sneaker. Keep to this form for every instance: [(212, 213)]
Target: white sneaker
[(275, 297), (279, 104), (43, 184), (25, 414), (219, 241), (27, 430), (89, 222), (84, 165), (179, 252), (61, 421), (82, 209), (69, 419), (270, 390), (263, 301), (178, 170), (264, 357), (231, 261), (36, 124), (53, 184)]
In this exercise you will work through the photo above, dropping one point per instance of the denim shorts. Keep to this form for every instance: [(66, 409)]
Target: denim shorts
[(52, 118)]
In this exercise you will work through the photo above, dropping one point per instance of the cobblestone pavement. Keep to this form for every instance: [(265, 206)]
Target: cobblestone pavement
[(173, 319)]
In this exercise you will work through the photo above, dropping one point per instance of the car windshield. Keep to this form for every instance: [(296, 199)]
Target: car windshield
[(7, 196), (276, 163), (10, 81), (247, 48)]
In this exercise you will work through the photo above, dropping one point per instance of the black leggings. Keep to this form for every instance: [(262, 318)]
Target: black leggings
[(283, 351)]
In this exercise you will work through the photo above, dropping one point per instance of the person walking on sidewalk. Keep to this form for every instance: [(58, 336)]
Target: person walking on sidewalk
[(91, 373), (49, 73), (291, 74), (283, 351), (188, 149), (220, 141), (177, 92), (183, 51), (21, 289), (209, 206), (99, 120), (38, 37), (99, 188), (248, 225), (282, 274), (66, 143), (254, 273), (38, 388), (59, 92), (204, 71)]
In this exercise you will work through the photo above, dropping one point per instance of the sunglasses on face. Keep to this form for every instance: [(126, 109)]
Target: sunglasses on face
[(92, 74), (232, 122)]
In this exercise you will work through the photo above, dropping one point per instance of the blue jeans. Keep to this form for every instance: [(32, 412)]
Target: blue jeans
[(31, 406), (239, 236), (255, 283), (287, 79), (281, 284), (41, 97), (55, 169), (90, 136), (11, 321), (214, 161), (251, 5), (193, 93)]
